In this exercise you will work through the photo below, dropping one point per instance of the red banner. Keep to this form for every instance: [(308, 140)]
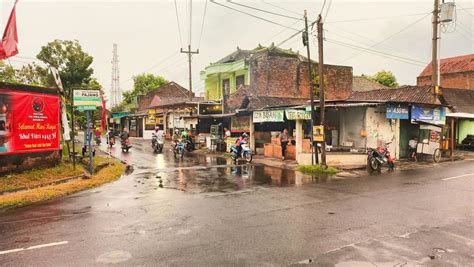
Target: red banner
[(29, 122)]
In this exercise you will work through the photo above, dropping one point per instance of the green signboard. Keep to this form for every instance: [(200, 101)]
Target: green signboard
[(120, 114), (308, 108), (294, 114), (87, 98), (268, 116), (84, 108)]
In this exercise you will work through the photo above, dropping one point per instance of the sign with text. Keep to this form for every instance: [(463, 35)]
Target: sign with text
[(87, 98), (268, 116), (318, 133), (294, 114), (29, 122), (397, 112), (430, 115)]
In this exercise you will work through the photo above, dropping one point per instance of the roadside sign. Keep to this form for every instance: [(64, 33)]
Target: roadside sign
[(87, 98), (318, 133), (84, 108)]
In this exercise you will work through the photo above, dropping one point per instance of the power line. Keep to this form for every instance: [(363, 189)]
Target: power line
[(265, 11), (254, 16), (284, 9), (280, 32), (177, 19), (322, 8), (379, 53), (387, 38), (465, 9), (202, 26), (379, 18)]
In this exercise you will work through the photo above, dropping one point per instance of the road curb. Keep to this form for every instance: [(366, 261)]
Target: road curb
[(60, 181)]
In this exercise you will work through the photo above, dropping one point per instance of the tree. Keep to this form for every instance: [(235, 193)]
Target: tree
[(71, 61), (142, 85), (7, 73), (385, 78)]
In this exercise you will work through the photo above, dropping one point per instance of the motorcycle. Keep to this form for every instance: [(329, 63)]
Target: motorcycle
[(97, 140), (245, 152), (157, 143), (126, 145), (189, 145), (378, 157), (111, 141), (179, 150)]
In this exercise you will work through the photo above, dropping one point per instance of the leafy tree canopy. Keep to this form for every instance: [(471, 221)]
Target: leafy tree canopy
[(385, 78)]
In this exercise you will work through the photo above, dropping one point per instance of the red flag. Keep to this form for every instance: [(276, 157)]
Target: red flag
[(104, 114), (8, 47)]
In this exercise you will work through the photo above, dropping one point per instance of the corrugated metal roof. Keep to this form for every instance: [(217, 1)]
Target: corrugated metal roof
[(461, 100), (404, 94)]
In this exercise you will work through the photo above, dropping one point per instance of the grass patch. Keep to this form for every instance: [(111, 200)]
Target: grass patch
[(112, 172), (37, 177), (311, 169)]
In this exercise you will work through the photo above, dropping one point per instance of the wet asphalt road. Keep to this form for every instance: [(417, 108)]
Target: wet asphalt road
[(201, 211)]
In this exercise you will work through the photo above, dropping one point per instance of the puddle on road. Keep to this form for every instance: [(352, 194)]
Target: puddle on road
[(223, 178)]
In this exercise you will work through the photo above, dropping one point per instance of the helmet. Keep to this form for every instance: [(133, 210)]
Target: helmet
[(176, 131), (245, 135)]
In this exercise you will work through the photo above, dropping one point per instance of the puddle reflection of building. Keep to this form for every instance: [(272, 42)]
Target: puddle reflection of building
[(280, 177), (182, 183)]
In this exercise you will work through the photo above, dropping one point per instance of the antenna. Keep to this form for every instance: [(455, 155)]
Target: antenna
[(115, 91)]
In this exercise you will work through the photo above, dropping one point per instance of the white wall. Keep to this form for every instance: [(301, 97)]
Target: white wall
[(381, 130)]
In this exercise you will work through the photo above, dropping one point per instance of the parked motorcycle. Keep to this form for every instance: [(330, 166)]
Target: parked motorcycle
[(126, 145), (378, 157), (179, 150), (97, 140), (157, 143), (189, 144), (245, 152), (111, 141)]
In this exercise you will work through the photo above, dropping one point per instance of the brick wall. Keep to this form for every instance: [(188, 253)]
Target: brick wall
[(287, 76), (463, 80)]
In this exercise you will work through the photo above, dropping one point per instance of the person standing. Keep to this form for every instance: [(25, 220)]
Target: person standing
[(284, 140)]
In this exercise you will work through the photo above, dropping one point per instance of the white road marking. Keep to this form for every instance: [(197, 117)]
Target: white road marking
[(456, 177), (34, 247)]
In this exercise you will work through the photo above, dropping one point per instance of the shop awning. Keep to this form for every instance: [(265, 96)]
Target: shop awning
[(461, 115)]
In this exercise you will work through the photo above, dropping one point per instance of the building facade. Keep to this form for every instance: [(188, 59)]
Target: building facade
[(456, 72)]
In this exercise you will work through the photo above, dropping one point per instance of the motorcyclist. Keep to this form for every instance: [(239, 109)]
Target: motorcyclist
[(158, 132), (238, 142), (176, 138), (124, 135), (111, 136)]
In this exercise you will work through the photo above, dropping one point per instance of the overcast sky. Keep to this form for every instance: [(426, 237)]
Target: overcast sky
[(149, 41)]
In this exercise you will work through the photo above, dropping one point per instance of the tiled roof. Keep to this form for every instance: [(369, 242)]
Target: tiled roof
[(452, 65), (236, 55), (461, 100), (363, 83), (166, 92), (404, 94)]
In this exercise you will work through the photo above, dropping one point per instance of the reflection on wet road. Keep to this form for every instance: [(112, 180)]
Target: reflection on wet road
[(198, 173)]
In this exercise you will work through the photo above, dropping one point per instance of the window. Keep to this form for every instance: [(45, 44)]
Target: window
[(239, 80), (226, 86)]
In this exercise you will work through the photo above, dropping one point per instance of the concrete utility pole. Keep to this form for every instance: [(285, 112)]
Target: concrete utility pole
[(189, 52), (311, 85), (434, 55), (321, 87)]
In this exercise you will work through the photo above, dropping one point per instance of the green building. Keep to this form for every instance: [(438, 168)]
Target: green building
[(227, 74)]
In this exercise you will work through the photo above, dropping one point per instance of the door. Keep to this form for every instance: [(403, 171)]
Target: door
[(407, 132)]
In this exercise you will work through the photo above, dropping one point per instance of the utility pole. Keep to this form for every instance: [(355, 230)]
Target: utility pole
[(311, 85), (115, 91), (321, 88), (434, 55), (189, 52)]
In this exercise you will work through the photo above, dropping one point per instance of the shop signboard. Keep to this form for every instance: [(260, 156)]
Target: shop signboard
[(240, 124), (87, 98), (397, 112), (308, 108), (318, 133), (29, 122), (429, 115), (295, 114), (268, 116)]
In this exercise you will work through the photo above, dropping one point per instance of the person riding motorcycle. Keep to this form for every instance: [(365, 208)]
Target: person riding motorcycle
[(238, 142), (124, 135), (158, 132), (176, 138), (111, 137)]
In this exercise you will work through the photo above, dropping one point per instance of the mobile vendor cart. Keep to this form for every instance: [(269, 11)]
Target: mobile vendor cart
[(430, 139)]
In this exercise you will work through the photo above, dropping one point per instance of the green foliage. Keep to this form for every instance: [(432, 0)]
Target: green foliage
[(316, 83), (311, 169), (7, 73), (142, 85), (71, 61), (385, 78)]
